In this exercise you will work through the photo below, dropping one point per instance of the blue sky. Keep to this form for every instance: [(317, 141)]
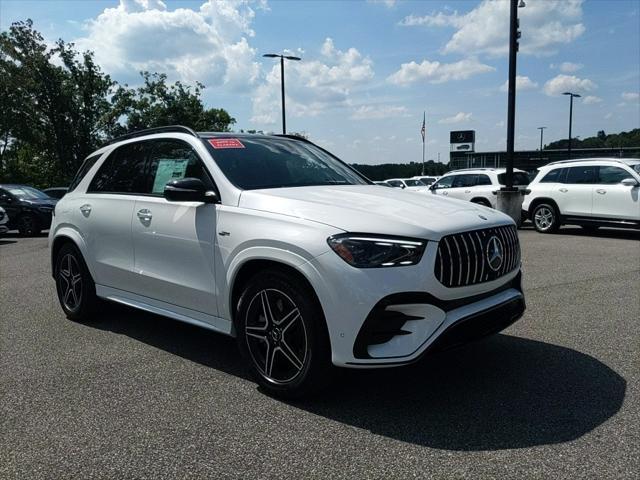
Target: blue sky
[(370, 68)]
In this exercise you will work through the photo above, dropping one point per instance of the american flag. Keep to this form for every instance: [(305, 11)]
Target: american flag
[(423, 130)]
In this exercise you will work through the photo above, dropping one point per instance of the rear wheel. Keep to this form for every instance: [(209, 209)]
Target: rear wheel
[(282, 334), (75, 287), (545, 218), (28, 225)]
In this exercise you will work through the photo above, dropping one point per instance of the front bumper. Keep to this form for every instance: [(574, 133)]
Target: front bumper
[(412, 307)]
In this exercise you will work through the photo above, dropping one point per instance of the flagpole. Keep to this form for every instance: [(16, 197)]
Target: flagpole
[(424, 134)]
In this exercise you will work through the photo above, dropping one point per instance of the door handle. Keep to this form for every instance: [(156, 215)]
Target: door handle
[(445, 193), (85, 209), (601, 191), (467, 191), (563, 190), (144, 214)]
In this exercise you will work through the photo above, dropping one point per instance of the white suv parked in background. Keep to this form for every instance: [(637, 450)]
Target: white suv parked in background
[(410, 184), (590, 192), (275, 241), (477, 185)]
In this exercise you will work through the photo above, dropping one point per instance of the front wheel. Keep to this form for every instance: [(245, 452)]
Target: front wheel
[(282, 334), (545, 218)]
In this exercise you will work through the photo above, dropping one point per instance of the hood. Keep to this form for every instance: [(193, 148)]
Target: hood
[(40, 202), (372, 209)]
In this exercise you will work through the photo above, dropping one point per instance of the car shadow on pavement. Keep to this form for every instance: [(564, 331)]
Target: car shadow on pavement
[(501, 393), (193, 343)]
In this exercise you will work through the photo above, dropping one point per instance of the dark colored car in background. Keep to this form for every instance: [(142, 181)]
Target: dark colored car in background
[(56, 192), (28, 208)]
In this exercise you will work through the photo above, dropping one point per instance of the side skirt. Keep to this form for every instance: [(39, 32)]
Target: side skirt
[(151, 305)]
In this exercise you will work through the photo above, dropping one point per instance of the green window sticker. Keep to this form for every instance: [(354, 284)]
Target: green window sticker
[(169, 169)]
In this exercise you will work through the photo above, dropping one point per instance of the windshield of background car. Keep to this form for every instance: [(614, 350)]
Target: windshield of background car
[(29, 193), (519, 178), (253, 163), (414, 183)]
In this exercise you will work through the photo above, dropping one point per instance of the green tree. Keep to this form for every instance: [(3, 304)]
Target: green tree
[(157, 104)]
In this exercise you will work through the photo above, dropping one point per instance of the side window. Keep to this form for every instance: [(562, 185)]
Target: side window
[(611, 175), (174, 160), (122, 171), (464, 181), (581, 175), (445, 182), (82, 171), (483, 180), (552, 177)]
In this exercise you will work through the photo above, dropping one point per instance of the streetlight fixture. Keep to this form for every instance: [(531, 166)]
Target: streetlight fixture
[(571, 95), (282, 57), (541, 130)]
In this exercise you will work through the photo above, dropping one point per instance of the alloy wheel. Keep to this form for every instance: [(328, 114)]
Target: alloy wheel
[(544, 218), (70, 282), (276, 336)]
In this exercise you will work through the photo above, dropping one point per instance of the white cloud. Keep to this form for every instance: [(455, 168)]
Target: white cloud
[(436, 72), (386, 3), (209, 45), (312, 85), (459, 117), (608, 116), (567, 67), (522, 83), (591, 99), (370, 112), (568, 83), (544, 25), (630, 96)]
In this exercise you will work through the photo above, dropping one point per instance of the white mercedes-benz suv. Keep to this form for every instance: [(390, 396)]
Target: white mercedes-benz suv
[(277, 242)]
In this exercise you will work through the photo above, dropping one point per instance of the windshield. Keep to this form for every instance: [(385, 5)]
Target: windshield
[(28, 193), (519, 178), (414, 183), (253, 163)]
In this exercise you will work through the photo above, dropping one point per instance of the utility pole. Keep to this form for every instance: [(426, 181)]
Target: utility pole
[(282, 57), (541, 131), (509, 198)]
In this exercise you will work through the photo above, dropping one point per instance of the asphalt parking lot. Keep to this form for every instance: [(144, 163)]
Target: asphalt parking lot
[(134, 395)]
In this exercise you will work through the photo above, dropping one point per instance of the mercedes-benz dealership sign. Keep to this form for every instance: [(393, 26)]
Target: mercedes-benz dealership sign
[(462, 140)]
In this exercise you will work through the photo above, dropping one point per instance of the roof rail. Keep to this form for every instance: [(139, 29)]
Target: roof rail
[(150, 131), (467, 169), (574, 160)]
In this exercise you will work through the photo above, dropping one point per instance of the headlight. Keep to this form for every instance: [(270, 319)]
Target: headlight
[(371, 251)]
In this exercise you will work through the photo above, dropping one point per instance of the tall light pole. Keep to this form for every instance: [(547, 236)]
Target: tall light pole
[(541, 130), (571, 95), (282, 57), (509, 198)]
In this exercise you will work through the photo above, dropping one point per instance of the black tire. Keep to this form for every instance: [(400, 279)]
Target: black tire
[(545, 218), (291, 336), (75, 287), (28, 225), (481, 201)]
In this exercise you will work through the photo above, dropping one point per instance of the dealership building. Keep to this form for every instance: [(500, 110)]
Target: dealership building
[(463, 154)]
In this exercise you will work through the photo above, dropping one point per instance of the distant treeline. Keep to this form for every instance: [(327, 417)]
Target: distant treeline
[(601, 140), (400, 170)]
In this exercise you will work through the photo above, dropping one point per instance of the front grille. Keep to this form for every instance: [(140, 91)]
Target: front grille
[(464, 258)]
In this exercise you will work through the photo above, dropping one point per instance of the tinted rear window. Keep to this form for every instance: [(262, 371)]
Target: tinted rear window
[(519, 178), (123, 171), (82, 171), (581, 175)]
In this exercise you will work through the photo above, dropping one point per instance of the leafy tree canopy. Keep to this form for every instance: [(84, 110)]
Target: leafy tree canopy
[(601, 140)]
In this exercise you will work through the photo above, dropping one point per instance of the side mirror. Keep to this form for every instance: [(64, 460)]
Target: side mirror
[(432, 187), (629, 182), (189, 190)]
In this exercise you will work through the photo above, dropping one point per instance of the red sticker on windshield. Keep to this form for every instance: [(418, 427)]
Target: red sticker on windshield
[(219, 143)]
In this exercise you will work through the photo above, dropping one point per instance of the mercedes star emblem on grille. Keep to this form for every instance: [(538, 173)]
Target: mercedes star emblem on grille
[(495, 253)]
